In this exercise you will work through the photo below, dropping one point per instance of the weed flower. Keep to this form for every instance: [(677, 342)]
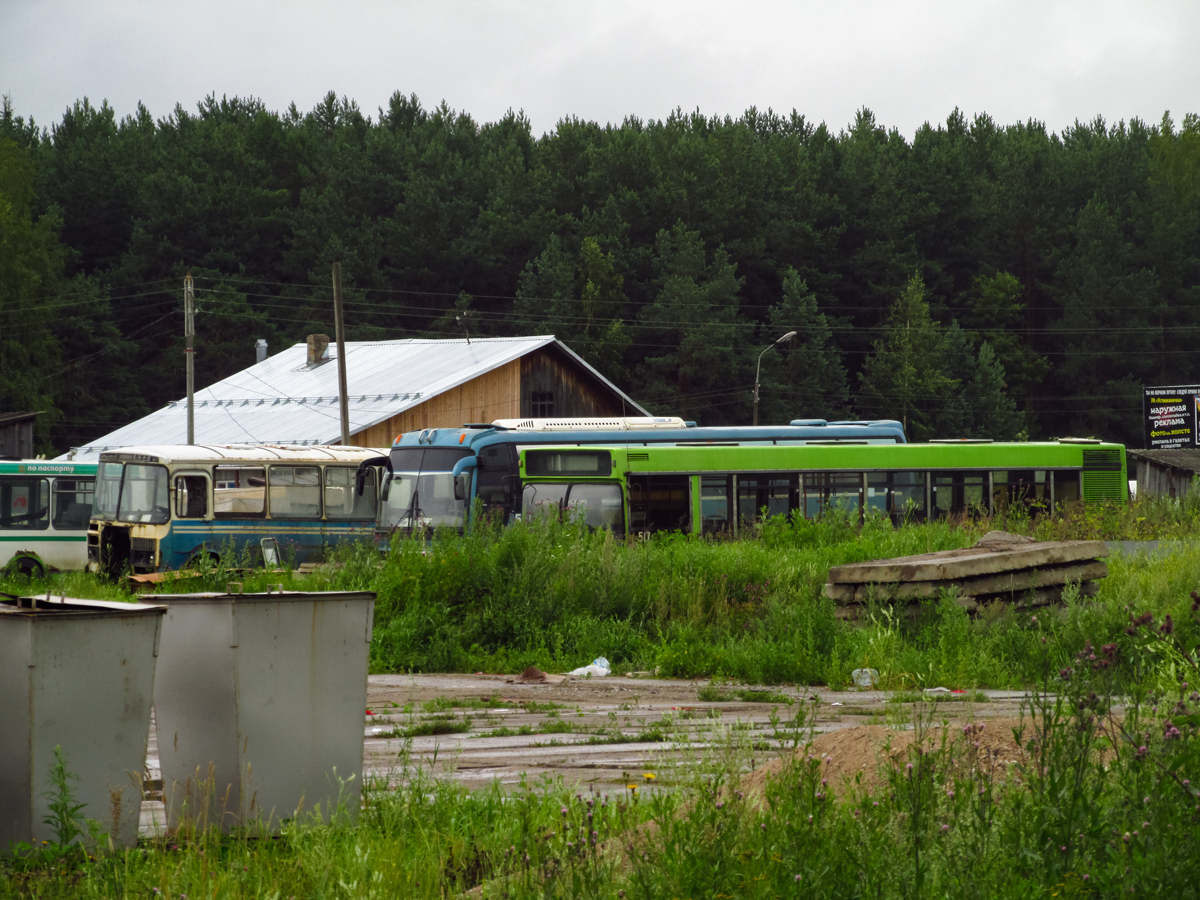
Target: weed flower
[(649, 776)]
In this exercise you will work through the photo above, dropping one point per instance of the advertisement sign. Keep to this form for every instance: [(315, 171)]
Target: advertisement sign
[(1170, 414)]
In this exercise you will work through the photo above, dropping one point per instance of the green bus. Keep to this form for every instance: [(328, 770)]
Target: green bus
[(713, 489)]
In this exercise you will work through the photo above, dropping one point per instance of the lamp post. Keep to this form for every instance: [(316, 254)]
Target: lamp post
[(758, 369)]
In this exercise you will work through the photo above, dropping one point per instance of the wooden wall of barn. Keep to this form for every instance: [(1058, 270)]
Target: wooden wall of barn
[(1153, 478), (493, 395), (576, 393)]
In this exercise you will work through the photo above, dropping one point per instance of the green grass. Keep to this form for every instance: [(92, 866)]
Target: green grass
[(428, 727), (751, 611), (442, 704), (1100, 802)]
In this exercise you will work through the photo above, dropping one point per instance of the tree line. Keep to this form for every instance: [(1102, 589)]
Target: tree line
[(978, 280)]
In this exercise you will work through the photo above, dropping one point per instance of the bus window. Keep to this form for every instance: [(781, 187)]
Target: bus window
[(239, 490), (600, 505), (72, 503), (144, 495), (24, 503), (659, 503), (1066, 487), (832, 490), (341, 498), (295, 492), (191, 496), (899, 494), (714, 504), (774, 492), (1022, 487), (957, 492), (539, 500)]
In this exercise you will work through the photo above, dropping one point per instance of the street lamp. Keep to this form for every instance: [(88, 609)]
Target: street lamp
[(758, 369)]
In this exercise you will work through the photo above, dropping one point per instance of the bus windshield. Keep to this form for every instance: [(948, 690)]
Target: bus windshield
[(108, 490), (422, 489), (144, 495), (423, 499)]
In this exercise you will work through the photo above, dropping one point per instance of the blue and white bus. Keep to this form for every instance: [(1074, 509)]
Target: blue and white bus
[(44, 510), (435, 476), (163, 507)]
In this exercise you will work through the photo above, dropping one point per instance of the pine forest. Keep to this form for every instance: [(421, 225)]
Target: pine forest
[(980, 279)]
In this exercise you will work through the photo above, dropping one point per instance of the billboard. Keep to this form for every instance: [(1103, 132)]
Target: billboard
[(1170, 414)]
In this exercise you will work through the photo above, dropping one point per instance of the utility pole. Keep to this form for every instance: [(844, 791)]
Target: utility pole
[(189, 333), (340, 332)]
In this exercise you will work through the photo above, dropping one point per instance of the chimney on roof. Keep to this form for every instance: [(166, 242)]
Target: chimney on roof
[(318, 349), (260, 350)]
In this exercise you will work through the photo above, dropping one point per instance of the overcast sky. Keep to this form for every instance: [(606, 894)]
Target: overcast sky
[(909, 62)]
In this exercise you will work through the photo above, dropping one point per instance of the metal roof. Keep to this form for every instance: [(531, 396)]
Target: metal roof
[(256, 452), (282, 400)]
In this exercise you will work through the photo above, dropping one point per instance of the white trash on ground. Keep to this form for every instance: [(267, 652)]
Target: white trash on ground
[(599, 668), (865, 678)]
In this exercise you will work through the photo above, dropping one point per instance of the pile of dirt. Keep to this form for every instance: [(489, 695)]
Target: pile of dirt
[(872, 749)]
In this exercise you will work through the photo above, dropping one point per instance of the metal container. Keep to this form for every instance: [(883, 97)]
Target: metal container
[(259, 705), (75, 674)]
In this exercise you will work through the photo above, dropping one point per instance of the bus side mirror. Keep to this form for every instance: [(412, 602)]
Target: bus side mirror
[(462, 484), (386, 486)]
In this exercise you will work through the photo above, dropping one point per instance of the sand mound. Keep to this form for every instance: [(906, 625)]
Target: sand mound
[(872, 749)]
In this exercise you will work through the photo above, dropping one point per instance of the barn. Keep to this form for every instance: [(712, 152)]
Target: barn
[(1169, 472), (291, 398)]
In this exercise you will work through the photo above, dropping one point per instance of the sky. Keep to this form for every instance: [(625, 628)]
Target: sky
[(909, 62)]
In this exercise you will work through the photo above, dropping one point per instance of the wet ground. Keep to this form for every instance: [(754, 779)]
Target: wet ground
[(599, 734)]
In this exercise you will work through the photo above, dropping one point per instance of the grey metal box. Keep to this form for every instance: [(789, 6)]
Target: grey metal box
[(76, 674), (259, 700)]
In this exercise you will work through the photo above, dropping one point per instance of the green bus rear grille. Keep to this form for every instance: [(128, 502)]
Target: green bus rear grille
[(1102, 460), (1103, 486)]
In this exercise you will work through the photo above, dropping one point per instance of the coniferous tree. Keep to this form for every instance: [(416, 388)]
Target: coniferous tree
[(806, 379), (694, 361), (997, 315), (30, 272), (579, 302), (981, 407), (905, 377)]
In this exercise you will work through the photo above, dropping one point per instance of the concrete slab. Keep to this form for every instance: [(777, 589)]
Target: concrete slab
[(597, 708), (948, 565)]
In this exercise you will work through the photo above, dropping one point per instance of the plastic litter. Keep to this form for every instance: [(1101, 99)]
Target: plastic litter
[(598, 669), (836, 703), (938, 690), (865, 678)]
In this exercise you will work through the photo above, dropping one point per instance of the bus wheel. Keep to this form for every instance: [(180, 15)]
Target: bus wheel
[(203, 560), (29, 567)]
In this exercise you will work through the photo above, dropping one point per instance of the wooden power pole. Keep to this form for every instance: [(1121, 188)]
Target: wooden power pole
[(189, 333), (340, 332)]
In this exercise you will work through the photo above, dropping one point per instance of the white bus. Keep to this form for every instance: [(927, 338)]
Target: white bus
[(45, 506)]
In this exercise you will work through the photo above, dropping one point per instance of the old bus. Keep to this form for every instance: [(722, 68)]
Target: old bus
[(164, 507)]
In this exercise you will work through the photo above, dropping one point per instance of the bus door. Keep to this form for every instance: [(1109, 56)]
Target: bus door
[(495, 477), (716, 505), (295, 509), (659, 503), (958, 494), (776, 494), (190, 533)]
